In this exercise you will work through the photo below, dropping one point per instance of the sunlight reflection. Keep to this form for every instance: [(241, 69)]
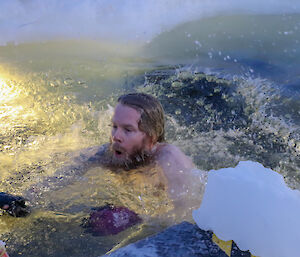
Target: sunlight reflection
[(9, 111), (8, 91), (9, 108)]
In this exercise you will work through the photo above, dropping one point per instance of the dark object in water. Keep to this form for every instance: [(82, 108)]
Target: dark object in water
[(17, 206), (110, 220)]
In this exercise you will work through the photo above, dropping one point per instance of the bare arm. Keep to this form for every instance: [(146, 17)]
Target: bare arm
[(176, 167), (185, 184)]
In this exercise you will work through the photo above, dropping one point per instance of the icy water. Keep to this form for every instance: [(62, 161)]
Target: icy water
[(228, 81)]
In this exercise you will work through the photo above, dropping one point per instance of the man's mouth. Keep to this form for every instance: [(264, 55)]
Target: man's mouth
[(121, 158), (118, 151)]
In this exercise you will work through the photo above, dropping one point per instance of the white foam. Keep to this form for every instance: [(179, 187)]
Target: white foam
[(253, 206), (39, 20)]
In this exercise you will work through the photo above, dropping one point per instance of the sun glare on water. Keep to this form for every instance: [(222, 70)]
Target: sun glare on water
[(8, 91), (8, 94)]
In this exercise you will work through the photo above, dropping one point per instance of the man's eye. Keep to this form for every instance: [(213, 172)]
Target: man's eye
[(128, 130)]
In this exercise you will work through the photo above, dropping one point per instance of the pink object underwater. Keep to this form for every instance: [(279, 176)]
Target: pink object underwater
[(110, 220)]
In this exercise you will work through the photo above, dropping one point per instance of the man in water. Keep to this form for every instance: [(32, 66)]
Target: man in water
[(139, 153), (138, 138), (137, 142), (145, 162)]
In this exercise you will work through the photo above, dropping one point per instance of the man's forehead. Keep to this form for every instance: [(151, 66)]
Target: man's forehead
[(125, 114)]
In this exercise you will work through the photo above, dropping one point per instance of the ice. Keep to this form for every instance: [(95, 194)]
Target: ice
[(253, 206)]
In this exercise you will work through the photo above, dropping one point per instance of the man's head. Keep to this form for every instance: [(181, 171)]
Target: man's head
[(138, 124)]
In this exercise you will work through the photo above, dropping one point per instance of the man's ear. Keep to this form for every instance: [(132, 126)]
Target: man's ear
[(153, 141), (150, 141)]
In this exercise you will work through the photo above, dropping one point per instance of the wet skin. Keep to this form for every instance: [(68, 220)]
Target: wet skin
[(126, 137)]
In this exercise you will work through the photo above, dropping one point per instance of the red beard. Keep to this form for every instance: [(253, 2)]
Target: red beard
[(118, 158)]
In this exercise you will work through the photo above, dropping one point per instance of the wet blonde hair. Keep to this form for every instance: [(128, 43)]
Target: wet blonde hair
[(152, 120)]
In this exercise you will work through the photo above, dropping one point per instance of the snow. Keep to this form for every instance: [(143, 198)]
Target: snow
[(253, 206)]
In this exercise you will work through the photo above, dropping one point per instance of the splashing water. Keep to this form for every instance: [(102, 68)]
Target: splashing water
[(224, 72)]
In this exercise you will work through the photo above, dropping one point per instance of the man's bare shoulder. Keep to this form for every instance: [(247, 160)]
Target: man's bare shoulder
[(171, 157), (170, 149)]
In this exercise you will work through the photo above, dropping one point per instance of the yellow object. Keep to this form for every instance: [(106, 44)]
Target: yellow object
[(224, 245)]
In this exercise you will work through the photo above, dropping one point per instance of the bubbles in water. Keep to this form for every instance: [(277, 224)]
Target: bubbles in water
[(222, 121)]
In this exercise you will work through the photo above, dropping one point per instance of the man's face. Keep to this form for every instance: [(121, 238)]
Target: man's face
[(127, 140)]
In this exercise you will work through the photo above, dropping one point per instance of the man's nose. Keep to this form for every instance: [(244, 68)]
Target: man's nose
[(117, 135)]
